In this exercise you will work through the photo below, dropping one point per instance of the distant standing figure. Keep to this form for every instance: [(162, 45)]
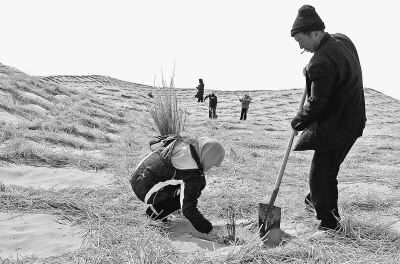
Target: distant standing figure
[(246, 100), (212, 113), (200, 91), (150, 94)]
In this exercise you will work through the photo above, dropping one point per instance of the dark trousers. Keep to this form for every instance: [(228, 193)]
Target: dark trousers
[(164, 202), (323, 181), (212, 112), (243, 114)]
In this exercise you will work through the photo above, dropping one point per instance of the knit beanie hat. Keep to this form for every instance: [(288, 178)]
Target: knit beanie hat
[(307, 20)]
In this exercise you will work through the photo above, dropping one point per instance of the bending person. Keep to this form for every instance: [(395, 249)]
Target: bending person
[(172, 178)]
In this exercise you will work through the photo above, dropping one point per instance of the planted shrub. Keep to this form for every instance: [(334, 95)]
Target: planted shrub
[(166, 110)]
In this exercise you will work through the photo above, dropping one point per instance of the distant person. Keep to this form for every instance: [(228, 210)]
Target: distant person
[(172, 177), (150, 94), (200, 91), (334, 115), (246, 100), (213, 101)]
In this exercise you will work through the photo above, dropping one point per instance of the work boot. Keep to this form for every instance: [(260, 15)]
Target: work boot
[(331, 225)]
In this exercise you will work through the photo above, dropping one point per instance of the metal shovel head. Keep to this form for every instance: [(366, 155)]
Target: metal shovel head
[(269, 217)]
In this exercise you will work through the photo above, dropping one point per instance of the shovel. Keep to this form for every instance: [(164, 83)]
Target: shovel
[(269, 215)]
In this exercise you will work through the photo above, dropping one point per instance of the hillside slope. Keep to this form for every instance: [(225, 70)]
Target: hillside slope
[(269, 107), (84, 127), (380, 107)]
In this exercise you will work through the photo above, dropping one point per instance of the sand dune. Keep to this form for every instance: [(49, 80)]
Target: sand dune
[(44, 235)]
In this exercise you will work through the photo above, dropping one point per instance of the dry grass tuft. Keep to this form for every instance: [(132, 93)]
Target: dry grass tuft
[(166, 110)]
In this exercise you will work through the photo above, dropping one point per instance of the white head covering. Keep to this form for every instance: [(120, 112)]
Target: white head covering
[(210, 151)]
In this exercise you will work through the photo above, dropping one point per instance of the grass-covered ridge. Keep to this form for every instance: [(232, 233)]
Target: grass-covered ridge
[(95, 126), (53, 119)]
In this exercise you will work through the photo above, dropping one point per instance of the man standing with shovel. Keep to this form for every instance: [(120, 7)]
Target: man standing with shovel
[(334, 115)]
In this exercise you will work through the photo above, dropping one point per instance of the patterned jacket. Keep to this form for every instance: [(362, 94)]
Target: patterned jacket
[(156, 171), (246, 100)]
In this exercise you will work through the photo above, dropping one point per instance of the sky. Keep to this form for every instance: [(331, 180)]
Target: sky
[(230, 44)]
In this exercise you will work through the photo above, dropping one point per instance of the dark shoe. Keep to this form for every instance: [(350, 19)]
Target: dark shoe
[(154, 216), (333, 225), (150, 213)]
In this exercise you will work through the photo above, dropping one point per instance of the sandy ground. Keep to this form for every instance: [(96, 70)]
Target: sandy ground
[(187, 240), (56, 178), (44, 235), (36, 234)]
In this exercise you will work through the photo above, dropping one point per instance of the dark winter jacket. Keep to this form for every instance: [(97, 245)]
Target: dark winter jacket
[(157, 169), (213, 101), (335, 111), (200, 90)]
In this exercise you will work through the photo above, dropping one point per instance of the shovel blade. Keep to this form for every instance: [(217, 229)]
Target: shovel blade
[(269, 217)]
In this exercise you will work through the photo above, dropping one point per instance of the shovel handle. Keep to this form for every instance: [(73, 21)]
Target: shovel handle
[(285, 158)]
